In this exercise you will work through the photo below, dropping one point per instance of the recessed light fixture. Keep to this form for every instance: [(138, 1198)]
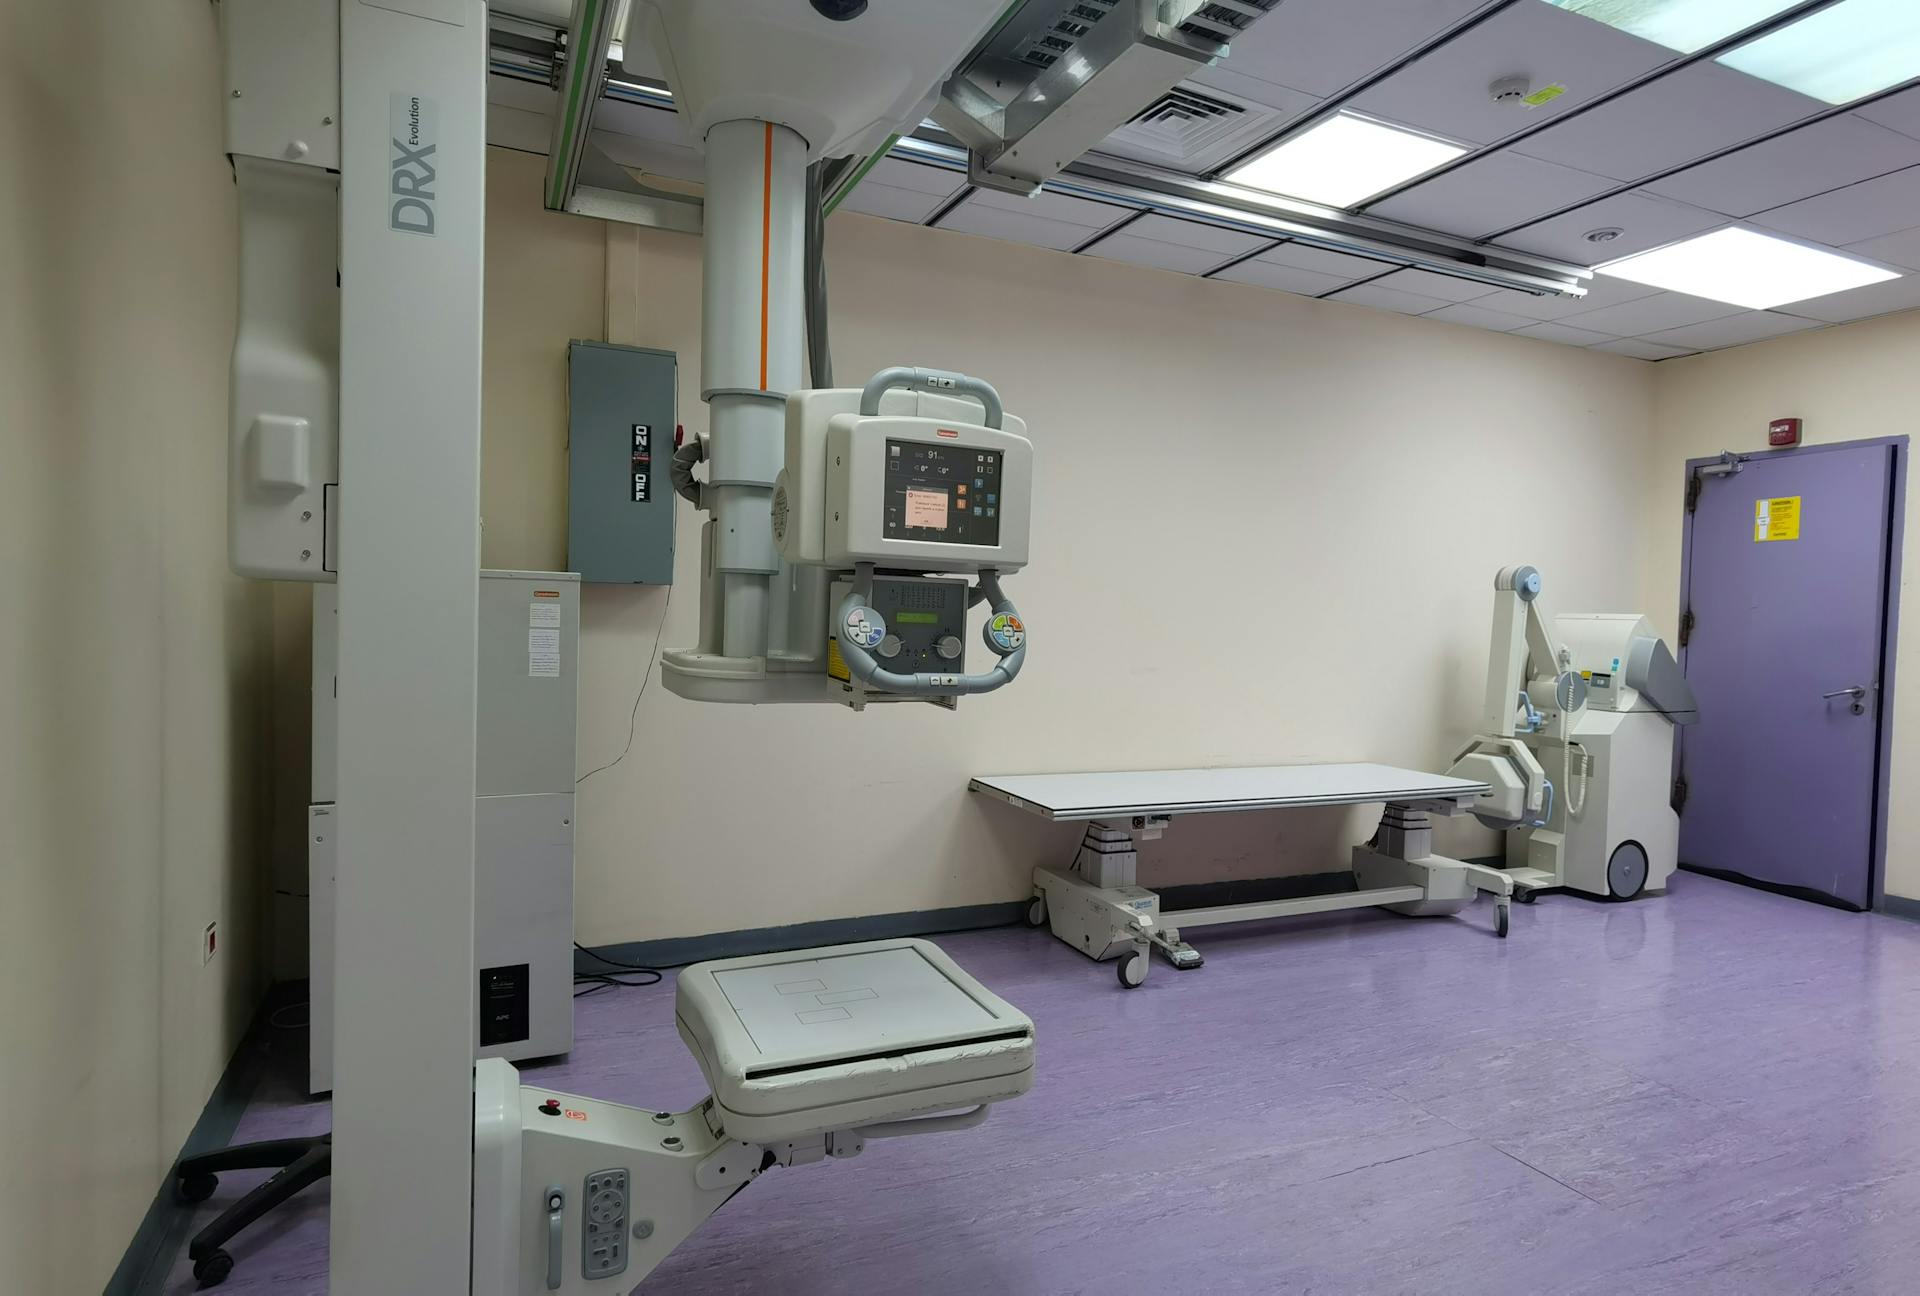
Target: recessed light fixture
[(1344, 160), (1684, 25), (1838, 54), (1746, 268), (1607, 235)]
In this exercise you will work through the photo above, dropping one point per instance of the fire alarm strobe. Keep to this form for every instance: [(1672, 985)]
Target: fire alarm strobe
[(1783, 432)]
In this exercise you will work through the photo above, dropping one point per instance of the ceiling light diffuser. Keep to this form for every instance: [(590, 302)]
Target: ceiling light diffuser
[(1684, 25), (1838, 54), (1344, 160), (1746, 268)]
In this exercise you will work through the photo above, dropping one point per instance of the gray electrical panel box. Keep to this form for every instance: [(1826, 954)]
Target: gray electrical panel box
[(620, 429)]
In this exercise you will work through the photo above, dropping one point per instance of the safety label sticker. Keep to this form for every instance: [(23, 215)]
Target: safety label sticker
[(543, 653), (1776, 519)]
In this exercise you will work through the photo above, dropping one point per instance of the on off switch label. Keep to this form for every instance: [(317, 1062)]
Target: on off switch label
[(642, 462)]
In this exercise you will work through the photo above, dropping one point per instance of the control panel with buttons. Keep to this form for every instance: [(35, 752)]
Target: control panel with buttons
[(603, 1235), (913, 625)]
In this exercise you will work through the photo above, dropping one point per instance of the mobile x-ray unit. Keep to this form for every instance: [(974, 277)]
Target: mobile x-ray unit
[(1576, 746)]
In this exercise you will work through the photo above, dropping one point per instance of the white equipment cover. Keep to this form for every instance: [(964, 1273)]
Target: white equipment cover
[(848, 1035)]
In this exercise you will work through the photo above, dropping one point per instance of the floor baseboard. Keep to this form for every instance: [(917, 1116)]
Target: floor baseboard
[(163, 1231)]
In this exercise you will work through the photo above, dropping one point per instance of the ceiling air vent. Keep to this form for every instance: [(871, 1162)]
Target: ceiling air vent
[(1222, 20), (1189, 129)]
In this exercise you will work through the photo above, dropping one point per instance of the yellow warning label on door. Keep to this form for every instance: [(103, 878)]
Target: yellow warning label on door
[(1776, 519)]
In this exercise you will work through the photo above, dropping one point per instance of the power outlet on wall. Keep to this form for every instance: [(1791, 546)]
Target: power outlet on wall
[(209, 943)]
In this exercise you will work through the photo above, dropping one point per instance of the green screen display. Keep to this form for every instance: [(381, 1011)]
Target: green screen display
[(917, 618)]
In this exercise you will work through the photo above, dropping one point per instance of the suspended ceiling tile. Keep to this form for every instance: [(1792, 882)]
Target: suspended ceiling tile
[(1825, 155), (1192, 234), (938, 181), (1639, 349), (1601, 291), (902, 190), (1321, 46), (1479, 317), (1447, 91), (1304, 256), (651, 157), (1862, 303), (1901, 248), (642, 120), (1862, 211), (1698, 110), (1267, 274), (1490, 193), (1046, 205), (1152, 252), (1643, 220), (515, 93), (1899, 111), (518, 128), (972, 217), (1427, 283), (1556, 332), (1369, 294), (891, 201), (1662, 310), (1733, 330)]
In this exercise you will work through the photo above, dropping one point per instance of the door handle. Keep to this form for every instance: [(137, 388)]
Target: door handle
[(1856, 692), (556, 1232)]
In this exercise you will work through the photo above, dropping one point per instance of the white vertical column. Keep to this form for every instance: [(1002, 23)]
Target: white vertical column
[(750, 356), (412, 196)]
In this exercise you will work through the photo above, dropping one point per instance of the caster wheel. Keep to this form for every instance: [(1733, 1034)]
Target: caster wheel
[(1037, 911), (1524, 897), (1626, 871), (212, 1270), (1500, 923), (1133, 971), (195, 1187)]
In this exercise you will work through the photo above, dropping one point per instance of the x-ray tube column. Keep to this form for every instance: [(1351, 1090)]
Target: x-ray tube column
[(751, 352)]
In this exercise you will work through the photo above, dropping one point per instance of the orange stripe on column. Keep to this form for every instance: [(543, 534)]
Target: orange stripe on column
[(766, 248)]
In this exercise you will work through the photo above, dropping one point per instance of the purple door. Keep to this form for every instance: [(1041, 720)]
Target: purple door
[(1786, 583)]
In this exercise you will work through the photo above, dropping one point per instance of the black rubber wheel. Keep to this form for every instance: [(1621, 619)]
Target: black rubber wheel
[(195, 1187), (1524, 897), (1500, 923), (1133, 971), (1037, 911), (1627, 870), (213, 1270)]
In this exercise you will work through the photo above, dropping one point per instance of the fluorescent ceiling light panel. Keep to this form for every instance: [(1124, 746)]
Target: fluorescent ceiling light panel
[(1344, 160), (1684, 25), (1838, 54), (1746, 268)]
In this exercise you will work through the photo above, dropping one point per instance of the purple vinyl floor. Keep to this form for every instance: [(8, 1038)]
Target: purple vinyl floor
[(1714, 1091)]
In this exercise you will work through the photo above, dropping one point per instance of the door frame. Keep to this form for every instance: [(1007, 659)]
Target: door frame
[(1889, 636)]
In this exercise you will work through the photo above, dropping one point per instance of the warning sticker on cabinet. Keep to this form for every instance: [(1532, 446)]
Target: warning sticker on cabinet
[(1776, 519), (543, 653)]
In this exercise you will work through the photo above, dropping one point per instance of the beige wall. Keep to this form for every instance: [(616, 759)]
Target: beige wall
[(1267, 530), (1847, 383), (131, 779)]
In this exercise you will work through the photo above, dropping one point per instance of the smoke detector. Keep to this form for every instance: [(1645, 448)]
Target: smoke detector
[(1519, 91), (1510, 90)]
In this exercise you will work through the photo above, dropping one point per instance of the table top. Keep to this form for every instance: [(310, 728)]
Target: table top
[(1190, 791)]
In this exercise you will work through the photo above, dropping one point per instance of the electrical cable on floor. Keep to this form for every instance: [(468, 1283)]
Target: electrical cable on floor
[(615, 979), (278, 1019), (633, 716)]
